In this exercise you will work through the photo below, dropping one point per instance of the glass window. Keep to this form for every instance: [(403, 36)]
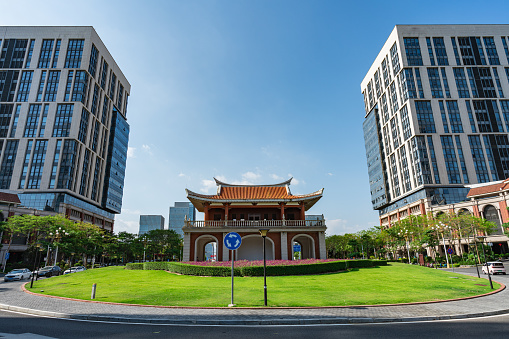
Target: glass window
[(454, 117), (24, 86), (446, 83), (413, 51), (408, 84), (30, 53), (504, 42), (407, 132), (425, 117), (93, 61), (5, 120), (463, 166), (451, 163), (63, 120), (7, 166), (440, 52), (54, 167), (26, 163), (461, 82), (455, 48), (41, 86), (56, 54), (430, 52), (82, 135), (46, 51), (42, 127), (434, 83), (67, 164), (35, 175), (395, 59), (491, 50), (68, 86), (80, 86), (74, 53), (52, 86), (444, 116), (32, 121)]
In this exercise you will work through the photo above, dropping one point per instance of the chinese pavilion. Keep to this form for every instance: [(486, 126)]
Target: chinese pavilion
[(246, 209)]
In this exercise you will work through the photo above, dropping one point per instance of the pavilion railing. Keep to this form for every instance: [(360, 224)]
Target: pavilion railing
[(255, 223)]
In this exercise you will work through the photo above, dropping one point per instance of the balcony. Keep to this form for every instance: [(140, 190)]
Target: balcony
[(254, 224)]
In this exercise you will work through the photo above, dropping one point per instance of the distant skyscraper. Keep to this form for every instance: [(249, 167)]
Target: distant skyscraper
[(178, 214), (151, 222), (437, 116), (63, 125)]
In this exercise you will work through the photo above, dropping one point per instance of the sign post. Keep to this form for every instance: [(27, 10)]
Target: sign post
[(232, 241)]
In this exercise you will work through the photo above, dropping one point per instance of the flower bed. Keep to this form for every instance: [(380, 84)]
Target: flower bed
[(255, 268)]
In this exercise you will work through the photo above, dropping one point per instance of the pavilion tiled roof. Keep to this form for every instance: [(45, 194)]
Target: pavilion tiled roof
[(9, 198), (253, 193), (484, 190)]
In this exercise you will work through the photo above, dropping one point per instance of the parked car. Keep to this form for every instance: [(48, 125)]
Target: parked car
[(18, 274), (49, 271), (495, 267), (75, 269)]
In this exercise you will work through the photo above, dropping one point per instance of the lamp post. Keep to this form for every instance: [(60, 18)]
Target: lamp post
[(475, 261), (36, 268), (442, 227), (485, 261), (263, 233), (57, 236)]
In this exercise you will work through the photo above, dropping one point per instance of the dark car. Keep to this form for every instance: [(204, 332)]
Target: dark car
[(49, 271)]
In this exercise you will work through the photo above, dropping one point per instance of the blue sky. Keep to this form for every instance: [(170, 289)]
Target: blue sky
[(247, 91)]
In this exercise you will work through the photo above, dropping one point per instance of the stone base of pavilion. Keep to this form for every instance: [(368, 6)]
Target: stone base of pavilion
[(279, 243)]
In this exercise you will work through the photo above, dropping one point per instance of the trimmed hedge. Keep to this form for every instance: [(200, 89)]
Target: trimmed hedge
[(134, 266), (257, 271)]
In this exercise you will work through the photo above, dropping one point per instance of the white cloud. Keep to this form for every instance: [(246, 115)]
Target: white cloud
[(182, 175), (276, 177), (147, 149), (342, 226), (130, 226), (330, 174), (250, 176), (207, 185), (130, 152), (128, 211), (294, 180)]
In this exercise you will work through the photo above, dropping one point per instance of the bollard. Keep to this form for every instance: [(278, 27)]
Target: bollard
[(94, 286)]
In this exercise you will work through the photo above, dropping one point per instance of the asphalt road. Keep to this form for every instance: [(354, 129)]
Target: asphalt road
[(12, 325)]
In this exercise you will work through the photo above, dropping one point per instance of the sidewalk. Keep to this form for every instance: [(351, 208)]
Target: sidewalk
[(13, 298)]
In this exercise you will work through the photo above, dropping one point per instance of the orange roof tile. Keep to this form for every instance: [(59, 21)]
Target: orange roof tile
[(9, 198), (488, 189)]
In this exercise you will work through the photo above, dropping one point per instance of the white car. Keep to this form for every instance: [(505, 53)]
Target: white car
[(75, 269), (495, 267), (18, 274)]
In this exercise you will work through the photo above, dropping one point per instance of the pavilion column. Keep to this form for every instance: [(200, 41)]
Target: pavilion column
[(302, 212), (206, 211), (226, 211), (282, 205)]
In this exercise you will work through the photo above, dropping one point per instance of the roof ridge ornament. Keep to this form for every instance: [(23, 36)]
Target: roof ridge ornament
[(282, 184)]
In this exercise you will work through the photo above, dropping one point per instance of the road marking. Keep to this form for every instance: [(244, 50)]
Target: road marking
[(264, 325)]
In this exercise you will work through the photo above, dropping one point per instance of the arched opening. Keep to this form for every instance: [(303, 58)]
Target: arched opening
[(307, 246), (252, 248), (464, 211), (200, 250), (491, 214)]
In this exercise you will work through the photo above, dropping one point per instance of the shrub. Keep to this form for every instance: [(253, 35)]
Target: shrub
[(156, 265), (134, 266), (273, 270), (455, 265)]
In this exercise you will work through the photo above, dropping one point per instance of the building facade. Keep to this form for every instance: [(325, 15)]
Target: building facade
[(246, 209), (437, 116), (63, 125), (150, 222), (179, 213)]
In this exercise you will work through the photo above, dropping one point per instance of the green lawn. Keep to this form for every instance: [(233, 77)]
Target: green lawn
[(395, 283)]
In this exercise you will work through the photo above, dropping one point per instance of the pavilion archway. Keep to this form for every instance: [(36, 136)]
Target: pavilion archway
[(307, 246), (199, 246), (252, 248)]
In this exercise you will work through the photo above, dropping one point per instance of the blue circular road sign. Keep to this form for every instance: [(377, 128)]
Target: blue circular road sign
[(232, 241), (450, 251)]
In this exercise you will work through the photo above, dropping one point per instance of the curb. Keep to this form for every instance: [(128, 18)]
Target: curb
[(500, 289), (316, 321)]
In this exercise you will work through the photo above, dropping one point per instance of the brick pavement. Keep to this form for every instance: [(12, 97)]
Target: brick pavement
[(13, 298)]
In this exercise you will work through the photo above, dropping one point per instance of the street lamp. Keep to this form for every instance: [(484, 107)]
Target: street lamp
[(442, 227), (36, 265), (263, 233), (57, 236), (482, 237)]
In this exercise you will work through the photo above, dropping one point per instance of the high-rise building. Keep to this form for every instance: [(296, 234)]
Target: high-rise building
[(178, 215), (63, 128), (437, 116), (150, 222)]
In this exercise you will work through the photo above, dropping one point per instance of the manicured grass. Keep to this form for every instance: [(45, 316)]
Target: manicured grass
[(395, 283)]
